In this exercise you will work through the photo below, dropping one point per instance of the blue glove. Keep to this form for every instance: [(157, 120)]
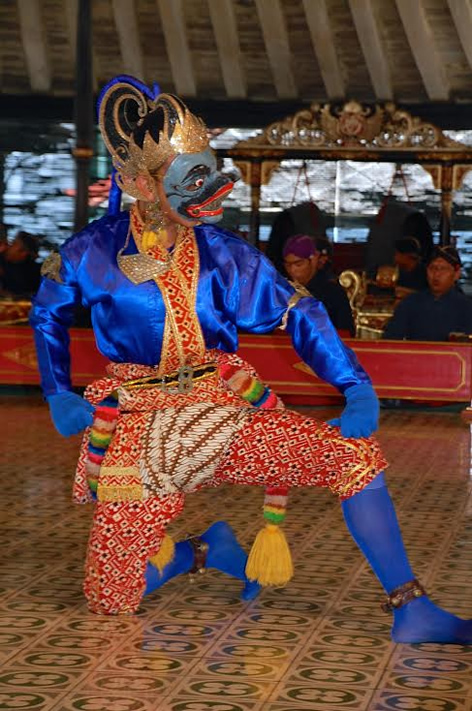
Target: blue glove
[(360, 417), (70, 413)]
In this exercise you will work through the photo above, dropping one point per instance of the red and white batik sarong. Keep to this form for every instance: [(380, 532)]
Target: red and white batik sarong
[(269, 447)]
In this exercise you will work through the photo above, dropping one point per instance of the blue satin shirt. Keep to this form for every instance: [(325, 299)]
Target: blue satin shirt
[(238, 289)]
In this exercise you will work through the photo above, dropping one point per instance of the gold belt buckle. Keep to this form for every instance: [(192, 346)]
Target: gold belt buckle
[(184, 379)]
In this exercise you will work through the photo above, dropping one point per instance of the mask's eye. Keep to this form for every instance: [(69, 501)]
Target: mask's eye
[(195, 178), (195, 185)]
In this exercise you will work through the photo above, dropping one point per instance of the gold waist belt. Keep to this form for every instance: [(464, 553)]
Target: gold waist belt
[(179, 381)]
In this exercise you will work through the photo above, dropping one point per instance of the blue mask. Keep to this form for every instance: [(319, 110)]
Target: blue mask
[(195, 188)]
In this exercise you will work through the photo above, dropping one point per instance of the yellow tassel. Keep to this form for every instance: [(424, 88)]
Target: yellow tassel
[(270, 560), (165, 554)]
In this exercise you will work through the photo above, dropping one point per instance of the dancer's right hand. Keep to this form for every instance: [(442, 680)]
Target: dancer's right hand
[(70, 413)]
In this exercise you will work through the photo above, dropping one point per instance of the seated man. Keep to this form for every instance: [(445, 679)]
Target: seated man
[(436, 312), (20, 274), (3, 238), (325, 260), (411, 269), (302, 263)]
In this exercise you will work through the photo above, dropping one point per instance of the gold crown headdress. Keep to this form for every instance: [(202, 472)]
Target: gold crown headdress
[(142, 131)]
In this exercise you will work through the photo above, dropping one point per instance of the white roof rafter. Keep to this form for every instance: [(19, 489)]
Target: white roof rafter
[(324, 47), (34, 45), (127, 27), (277, 45), (173, 23), (421, 41), (223, 19), (461, 11), (369, 38)]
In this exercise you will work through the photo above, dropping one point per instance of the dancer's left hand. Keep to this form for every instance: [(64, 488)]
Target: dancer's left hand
[(360, 417)]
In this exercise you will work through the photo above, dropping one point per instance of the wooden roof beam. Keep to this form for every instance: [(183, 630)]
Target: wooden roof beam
[(128, 35), (223, 19), (34, 45), (421, 41), (324, 47), (178, 50), (277, 46), (461, 11), (371, 43)]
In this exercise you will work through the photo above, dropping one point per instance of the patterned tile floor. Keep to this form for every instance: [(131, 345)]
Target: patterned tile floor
[(321, 643)]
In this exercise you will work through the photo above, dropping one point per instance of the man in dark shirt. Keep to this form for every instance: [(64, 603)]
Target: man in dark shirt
[(411, 268), (302, 263), (20, 274), (325, 260), (435, 313)]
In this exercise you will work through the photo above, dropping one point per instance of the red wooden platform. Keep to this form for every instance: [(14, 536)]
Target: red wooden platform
[(440, 372)]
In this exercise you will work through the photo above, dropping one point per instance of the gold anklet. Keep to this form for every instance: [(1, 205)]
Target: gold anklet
[(403, 595)]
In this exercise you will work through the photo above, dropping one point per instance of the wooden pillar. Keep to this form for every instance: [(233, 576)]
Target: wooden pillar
[(84, 122), (255, 219), (446, 204)]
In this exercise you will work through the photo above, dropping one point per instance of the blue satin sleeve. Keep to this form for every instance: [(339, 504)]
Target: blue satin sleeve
[(51, 316), (318, 344), (238, 289)]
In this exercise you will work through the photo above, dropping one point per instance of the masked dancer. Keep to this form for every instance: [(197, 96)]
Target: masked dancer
[(168, 292)]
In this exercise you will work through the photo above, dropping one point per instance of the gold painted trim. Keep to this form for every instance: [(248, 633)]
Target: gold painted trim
[(356, 345), (404, 351)]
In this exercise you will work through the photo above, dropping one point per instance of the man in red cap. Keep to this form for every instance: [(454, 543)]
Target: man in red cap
[(302, 262)]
